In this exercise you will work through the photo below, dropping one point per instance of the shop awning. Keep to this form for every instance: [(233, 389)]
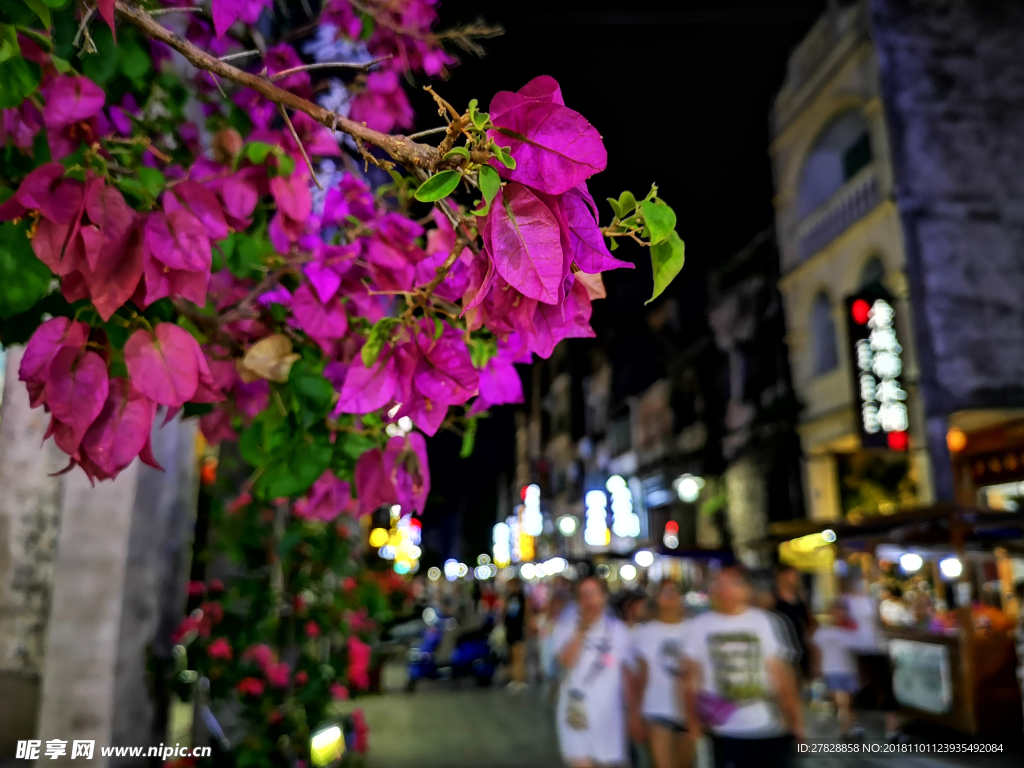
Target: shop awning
[(919, 525)]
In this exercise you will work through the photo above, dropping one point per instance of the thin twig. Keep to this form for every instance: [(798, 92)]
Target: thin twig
[(302, 149), (239, 55), (189, 9), (82, 30), (428, 132), (357, 66)]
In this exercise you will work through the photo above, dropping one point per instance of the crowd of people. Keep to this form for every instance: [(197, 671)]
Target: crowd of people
[(640, 684)]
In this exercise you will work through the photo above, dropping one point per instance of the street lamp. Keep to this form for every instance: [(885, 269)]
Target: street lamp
[(567, 525)]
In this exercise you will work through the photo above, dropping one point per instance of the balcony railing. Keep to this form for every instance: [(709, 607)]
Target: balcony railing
[(824, 227)]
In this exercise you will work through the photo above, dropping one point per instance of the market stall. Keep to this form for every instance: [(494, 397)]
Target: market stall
[(943, 578)]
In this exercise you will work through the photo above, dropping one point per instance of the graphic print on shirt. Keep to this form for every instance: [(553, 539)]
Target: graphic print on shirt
[(670, 657), (738, 666)]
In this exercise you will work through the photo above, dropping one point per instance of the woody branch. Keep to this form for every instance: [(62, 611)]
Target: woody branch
[(409, 153)]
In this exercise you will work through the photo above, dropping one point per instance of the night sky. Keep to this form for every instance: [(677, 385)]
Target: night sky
[(681, 93)]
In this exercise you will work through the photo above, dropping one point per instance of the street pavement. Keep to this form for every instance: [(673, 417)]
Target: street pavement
[(454, 724)]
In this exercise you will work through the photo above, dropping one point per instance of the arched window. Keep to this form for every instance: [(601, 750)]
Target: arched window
[(823, 335), (841, 149), (872, 273)]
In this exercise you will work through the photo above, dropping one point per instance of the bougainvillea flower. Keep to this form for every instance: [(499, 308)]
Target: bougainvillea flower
[(49, 338), (373, 482), (444, 372), (323, 324), (164, 364), (227, 12), (315, 137), (121, 429), (368, 389), (292, 196), (251, 686), (76, 389), (328, 498), (46, 190), (219, 649), (587, 244), (70, 100), (526, 243), (325, 280), (351, 197), (383, 106), (554, 147), (202, 203), (179, 240), (339, 692), (358, 663), (499, 384), (279, 674), (550, 326), (406, 458)]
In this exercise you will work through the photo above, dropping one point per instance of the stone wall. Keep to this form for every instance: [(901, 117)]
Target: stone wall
[(30, 500), (953, 85)]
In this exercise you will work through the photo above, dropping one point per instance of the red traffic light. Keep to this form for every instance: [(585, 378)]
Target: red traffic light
[(860, 311), (671, 527)]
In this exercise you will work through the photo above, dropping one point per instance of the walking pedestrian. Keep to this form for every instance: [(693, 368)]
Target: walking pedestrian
[(790, 603), (739, 684), (659, 653), (593, 654), (516, 608), (837, 664)]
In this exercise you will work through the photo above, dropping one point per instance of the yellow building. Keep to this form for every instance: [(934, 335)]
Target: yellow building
[(839, 231)]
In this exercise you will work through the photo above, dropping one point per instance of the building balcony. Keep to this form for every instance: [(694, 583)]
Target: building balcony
[(849, 206)]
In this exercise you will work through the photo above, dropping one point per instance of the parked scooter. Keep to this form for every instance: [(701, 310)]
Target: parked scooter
[(470, 653)]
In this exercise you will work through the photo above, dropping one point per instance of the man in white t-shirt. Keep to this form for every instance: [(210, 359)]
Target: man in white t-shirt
[(593, 651), (658, 646), (739, 685)]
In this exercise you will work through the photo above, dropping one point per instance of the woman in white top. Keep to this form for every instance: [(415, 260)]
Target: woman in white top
[(659, 653), (593, 651)]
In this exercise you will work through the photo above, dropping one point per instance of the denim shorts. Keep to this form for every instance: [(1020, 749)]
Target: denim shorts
[(842, 681)]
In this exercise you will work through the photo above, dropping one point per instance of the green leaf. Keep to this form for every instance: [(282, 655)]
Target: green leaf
[(257, 151), (9, 47), (102, 65), (615, 207), (480, 119), (313, 392), (457, 152), (152, 180), (40, 9), (303, 465), (250, 444), (505, 157), (469, 437), (18, 79), (489, 182), (353, 445), (285, 165), (660, 220), (135, 61), (666, 262), (379, 334), (438, 328), (438, 186), (627, 204), (24, 279), (613, 243), (61, 65)]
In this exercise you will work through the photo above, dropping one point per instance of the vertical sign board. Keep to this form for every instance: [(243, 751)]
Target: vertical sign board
[(877, 365)]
